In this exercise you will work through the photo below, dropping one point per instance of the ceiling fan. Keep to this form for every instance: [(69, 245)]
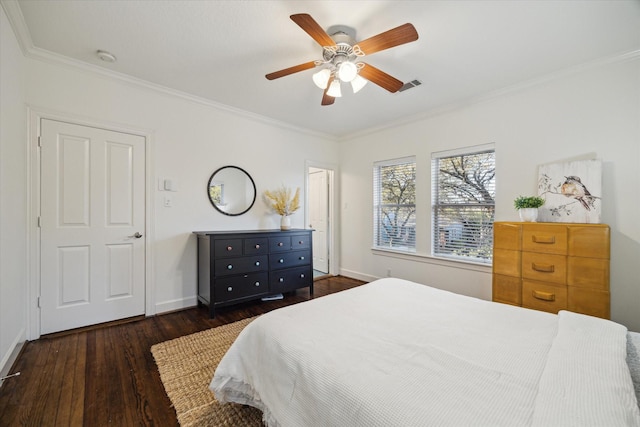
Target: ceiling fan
[(341, 58)]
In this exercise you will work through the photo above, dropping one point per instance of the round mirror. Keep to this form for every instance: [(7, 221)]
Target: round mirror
[(231, 190)]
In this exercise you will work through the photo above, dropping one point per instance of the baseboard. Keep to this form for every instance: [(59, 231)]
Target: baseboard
[(178, 304), (12, 354), (357, 275)]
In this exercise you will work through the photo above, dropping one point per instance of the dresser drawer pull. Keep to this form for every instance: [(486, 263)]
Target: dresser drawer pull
[(281, 280), (547, 240), (302, 276), (301, 242), (545, 296), (229, 289), (257, 246), (229, 267), (280, 244), (257, 263), (281, 261), (257, 283), (549, 268), (229, 248), (301, 258)]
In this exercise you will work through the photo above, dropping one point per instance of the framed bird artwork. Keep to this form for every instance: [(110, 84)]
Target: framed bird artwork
[(572, 191)]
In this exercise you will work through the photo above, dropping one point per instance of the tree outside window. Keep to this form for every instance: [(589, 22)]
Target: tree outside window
[(464, 204), (395, 204)]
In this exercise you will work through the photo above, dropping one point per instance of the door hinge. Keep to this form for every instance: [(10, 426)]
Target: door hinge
[(40, 141), (38, 302), (39, 225)]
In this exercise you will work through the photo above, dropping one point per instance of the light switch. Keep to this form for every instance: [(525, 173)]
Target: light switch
[(169, 185)]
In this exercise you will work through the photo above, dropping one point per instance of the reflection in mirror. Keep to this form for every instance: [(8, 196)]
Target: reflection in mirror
[(231, 190)]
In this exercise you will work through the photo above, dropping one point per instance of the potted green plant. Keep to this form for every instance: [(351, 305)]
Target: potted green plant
[(527, 207)]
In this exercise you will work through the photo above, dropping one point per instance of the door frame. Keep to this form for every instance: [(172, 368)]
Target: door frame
[(333, 225), (35, 115)]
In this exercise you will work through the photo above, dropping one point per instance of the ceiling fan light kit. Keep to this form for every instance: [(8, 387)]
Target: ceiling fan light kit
[(341, 55)]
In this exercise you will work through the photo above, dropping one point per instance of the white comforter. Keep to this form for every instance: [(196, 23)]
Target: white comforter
[(397, 353)]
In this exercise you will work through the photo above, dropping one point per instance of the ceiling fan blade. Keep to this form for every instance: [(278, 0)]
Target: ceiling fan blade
[(380, 78), (311, 27), (395, 37), (291, 70), (326, 99)]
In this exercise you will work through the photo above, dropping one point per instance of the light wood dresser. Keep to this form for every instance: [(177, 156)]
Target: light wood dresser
[(552, 266)]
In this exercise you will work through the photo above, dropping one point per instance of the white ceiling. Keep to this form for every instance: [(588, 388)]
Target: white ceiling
[(221, 50)]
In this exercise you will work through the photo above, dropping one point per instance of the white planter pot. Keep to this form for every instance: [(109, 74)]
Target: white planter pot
[(528, 214)]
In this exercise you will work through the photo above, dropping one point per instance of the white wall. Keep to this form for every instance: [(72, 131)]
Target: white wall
[(189, 140), (593, 112), (13, 196)]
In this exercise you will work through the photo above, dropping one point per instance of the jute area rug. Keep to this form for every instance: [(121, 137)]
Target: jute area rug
[(186, 366)]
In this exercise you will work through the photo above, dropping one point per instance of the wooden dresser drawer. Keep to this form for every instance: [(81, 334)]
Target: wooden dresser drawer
[(549, 239), (590, 273), (507, 289), (250, 264), (289, 279), (507, 262), (589, 301), (256, 246), (300, 241), (544, 296), (231, 288), (507, 236), (544, 267), (591, 241), (289, 259), (228, 247), (280, 244)]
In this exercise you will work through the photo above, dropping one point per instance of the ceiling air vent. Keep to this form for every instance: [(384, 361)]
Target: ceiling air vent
[(410, 85)]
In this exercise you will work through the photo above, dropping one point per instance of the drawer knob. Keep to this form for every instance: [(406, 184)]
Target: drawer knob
[(281, 261), (280, 244), (229, 248), (257, 263), (257, 283), (545, 296), (229, 267), (301, 258), (302, 276), (257, 246), (301, 242), (550, 268), (546, 240), (229, 289), (281, 280)]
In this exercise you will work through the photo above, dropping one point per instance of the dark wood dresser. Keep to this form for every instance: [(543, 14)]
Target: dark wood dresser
[(237, 266)]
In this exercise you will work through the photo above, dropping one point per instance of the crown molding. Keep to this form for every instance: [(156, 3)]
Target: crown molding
[(16, 19), (490, 96)]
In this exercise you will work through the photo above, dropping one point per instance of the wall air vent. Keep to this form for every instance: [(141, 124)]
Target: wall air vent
[(410, 85)]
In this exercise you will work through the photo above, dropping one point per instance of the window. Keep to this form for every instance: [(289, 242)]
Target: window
[(463, 194), (394, 204)]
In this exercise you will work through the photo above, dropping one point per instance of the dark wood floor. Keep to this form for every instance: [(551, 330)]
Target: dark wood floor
[(107, 376)]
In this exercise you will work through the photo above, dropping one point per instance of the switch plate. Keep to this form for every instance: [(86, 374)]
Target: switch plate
[(168, 201)]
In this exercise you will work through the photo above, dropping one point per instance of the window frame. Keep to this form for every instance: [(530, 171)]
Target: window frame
[(479, 228), (378, 206)]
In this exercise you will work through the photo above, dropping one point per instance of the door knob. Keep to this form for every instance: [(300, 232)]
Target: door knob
[(137, 235)]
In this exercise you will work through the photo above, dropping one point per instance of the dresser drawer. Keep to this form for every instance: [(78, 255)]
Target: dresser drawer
[(507, 262), (232, 288), (507, 289), (290, 279), (592, 302), (289, 259), (592, 273), (544, 238), (300, 241), (227, 247), (543, 296), (250, 264), (544, 267), (507, 236), (279, 244), (256, 246), (591, 241)]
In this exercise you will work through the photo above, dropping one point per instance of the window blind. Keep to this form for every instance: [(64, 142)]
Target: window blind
[(463, 203)]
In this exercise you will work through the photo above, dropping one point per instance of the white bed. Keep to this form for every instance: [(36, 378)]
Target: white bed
[(398, 353)]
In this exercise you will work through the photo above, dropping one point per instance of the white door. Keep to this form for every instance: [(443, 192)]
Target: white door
[(318, 213), (92, 222)]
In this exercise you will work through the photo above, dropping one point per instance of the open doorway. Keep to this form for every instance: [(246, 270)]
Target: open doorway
[(319, 215)]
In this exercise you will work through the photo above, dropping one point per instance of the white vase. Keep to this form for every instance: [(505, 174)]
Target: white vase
[(528, 214), (285, 222)]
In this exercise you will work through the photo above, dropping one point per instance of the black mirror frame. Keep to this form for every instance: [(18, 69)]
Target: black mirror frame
[(255, 192)]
